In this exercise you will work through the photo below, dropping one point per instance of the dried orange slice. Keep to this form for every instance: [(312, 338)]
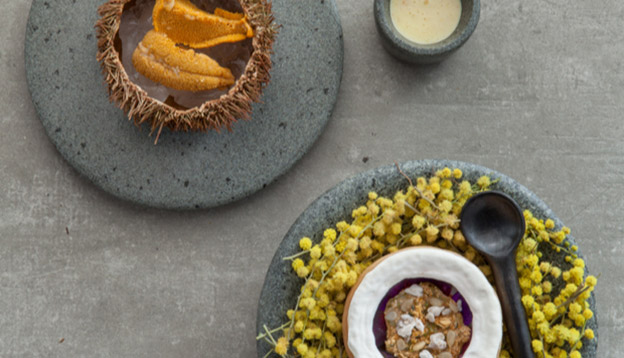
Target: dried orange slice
[(159, 59), (184, 23)]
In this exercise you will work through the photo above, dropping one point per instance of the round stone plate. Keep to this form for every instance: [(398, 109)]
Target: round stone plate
[(184, 170), (281, 286)]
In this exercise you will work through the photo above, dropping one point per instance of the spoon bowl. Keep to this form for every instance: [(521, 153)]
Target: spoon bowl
[(493, 224)]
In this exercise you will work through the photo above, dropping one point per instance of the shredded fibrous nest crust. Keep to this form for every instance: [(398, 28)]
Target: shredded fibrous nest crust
[(212, 115)]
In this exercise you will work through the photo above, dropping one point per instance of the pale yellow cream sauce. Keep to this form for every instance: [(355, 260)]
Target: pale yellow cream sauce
[(425, 21)]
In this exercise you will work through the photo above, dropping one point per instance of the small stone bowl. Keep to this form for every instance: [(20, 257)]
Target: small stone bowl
[(409, 51)]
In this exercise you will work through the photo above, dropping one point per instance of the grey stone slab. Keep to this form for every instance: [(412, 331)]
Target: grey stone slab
[(282, 287), (185, 170)]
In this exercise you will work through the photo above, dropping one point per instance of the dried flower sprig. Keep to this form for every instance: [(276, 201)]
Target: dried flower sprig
[(555, 298)]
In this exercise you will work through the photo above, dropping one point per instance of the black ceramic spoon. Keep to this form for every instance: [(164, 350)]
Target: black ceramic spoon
[(493, 224)]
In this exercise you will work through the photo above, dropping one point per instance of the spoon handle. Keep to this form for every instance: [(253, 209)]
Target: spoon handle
[(510, 295)]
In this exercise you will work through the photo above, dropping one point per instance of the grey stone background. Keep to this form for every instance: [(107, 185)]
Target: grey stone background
[(537, 94)]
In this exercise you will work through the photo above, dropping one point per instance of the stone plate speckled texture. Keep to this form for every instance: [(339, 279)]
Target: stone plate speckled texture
[(281, 286), (185, 170)]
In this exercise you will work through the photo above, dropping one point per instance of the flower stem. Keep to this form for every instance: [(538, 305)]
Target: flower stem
[(295, 255)]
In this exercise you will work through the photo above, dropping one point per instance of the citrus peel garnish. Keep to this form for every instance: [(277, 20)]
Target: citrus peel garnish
[(184, 23), (158, 58)]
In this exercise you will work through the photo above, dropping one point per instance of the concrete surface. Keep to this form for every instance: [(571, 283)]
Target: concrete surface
[(536, 94)]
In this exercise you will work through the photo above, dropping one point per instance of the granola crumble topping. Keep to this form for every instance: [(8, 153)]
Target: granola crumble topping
[(422, 322)]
